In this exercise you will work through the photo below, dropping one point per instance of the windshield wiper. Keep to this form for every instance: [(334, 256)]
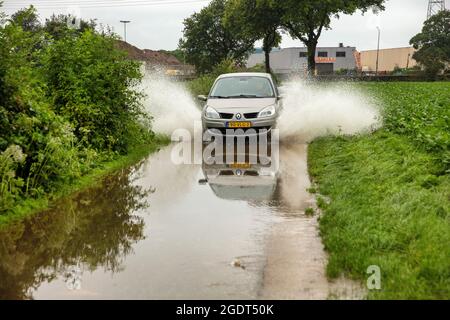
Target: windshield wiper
[(245, 96), (220, 97)]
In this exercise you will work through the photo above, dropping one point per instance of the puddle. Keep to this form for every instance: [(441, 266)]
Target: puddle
[(162, 231)]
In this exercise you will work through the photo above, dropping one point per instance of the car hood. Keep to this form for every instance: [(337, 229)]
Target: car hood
[(243, 105)]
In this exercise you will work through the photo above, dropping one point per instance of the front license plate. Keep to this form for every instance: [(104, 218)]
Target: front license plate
[(240, 165), (239, 124)]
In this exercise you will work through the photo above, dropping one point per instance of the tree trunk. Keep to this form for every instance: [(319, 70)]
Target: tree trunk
[(312, 46), (267, 47), (267, 60)]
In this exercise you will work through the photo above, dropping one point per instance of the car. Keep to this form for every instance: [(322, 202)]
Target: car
[(241, 101)]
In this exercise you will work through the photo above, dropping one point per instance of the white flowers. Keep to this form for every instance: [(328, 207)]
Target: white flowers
[(13, 152)]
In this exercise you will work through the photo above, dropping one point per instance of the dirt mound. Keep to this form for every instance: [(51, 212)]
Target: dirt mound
[(151, 56)]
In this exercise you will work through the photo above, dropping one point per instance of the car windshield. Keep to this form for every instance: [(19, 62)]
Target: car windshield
[(243, 87)]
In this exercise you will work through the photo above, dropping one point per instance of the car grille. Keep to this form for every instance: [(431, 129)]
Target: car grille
[(253, 115), (230, 116), (226, 115), (225, 131)]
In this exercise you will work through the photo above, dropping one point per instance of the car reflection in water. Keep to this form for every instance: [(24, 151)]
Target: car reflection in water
[(236, 180)]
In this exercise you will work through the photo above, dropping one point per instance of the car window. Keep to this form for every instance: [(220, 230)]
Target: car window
[(243, 87)]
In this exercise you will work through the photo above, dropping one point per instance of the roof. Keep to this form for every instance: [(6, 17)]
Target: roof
[(386, 49), (245, 74)]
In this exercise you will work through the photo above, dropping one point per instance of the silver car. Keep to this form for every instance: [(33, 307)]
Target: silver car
[(241, 101)]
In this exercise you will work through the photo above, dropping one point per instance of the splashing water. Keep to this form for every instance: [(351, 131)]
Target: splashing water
[(311, 111), (170, 104)]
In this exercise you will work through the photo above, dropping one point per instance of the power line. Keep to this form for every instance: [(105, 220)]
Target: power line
[(74, 2), (100, 4)]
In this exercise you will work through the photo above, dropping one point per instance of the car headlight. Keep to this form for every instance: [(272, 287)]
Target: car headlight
[(267, 112), (211, 113)]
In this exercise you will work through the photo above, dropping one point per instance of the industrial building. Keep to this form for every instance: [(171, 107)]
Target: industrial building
[(294, 60), (388, 59)]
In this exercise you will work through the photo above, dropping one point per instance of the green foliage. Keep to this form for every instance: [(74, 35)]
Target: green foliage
[(257, 19), (27, 19), (433, 44), (10, 185), (57, 26), (389, 194), (420, 111), (91, 83), (206, 41), (309, 212), (68, 101), (389, 207)]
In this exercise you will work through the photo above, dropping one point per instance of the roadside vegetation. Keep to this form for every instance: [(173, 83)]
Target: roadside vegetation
[(390, 194), (68, 106)]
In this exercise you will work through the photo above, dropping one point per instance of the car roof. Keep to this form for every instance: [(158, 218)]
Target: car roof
[(245, 74)]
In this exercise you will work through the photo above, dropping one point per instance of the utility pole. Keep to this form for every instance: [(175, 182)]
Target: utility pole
[(125, 22), (434, 7), (378, 49)]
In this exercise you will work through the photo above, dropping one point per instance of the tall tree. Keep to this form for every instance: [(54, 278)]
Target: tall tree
[(206, 41), (258, 19), (433, 43), (27, 18), (306, 19)]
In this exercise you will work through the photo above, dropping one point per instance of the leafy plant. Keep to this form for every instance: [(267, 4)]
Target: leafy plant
[(433, 44), (207, 41)]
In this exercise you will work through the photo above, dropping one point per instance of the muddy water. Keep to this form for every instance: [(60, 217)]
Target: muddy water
[(161, 231)]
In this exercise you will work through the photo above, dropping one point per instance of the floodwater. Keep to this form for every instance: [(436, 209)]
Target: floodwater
[(163, 231)]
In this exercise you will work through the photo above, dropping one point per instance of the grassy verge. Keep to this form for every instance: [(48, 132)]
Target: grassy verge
[(28, 207), (390, 197)]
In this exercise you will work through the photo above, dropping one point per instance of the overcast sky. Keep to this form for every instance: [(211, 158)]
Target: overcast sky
[(157, 24)]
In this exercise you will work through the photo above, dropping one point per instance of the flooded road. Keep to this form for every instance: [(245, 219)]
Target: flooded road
[(162, 231)]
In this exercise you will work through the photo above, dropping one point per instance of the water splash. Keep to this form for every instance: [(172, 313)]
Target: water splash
[(310, 110), (314, 110), (170, 104)]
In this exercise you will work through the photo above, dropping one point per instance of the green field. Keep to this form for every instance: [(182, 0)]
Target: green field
[(390, 194)]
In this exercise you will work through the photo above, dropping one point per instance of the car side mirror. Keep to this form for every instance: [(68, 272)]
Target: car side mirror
[(203, 182), (280, 97), (202, 98)]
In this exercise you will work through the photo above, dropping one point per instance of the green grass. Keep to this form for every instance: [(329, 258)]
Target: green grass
[(390, 195), (28, 207), (420, 111)]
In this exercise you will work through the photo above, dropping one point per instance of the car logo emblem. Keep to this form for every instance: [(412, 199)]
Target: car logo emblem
[(238, 116)]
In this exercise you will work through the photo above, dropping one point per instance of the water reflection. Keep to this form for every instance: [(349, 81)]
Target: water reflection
[(91, 230), (241, 181), (278, 180)]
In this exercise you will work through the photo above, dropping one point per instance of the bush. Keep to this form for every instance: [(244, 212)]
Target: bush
[(67, 103), (91, 83)]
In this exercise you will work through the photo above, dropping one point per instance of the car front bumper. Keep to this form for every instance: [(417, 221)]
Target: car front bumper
[(256, 124)]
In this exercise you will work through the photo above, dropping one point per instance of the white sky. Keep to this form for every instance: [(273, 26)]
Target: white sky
[(158, 23)]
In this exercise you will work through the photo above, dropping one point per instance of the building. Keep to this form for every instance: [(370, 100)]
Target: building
[(294, 60), (388, 59)]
